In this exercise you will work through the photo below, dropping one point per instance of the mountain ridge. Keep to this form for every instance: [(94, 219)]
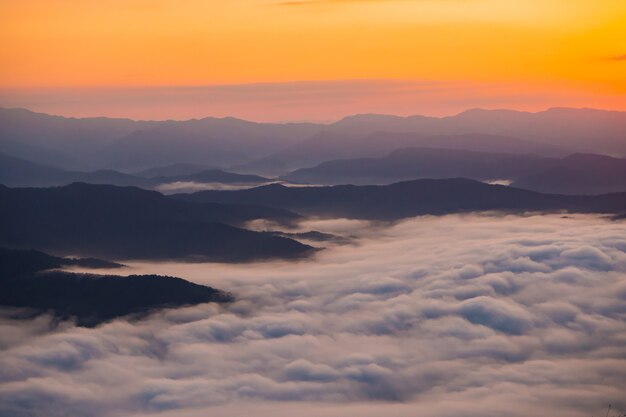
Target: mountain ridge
[(590, 173), (130, 223), (30, 279), (411, 198), (95, 143)]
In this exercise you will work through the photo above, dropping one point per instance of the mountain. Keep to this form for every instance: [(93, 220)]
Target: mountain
[(589, 130), (411, 198), (123, 144), (414, 163), (579, 174), (16, 172), (127, 222), (555, 133), (328, 146), (39, 154), (24, 133), (575, 174), (272, 148), (166, 143), (27, 282), (171, 170), (210, 141)]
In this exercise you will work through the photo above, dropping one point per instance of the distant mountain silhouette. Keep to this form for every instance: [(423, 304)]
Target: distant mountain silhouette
[(588, 130), (26, 282), (171, 170), (328, 146), (16, 172), (24, 133), (19, 172), (575, 174), (166, 142), (99, 142), (267, 148), (411, 198), (127, 222), (578, 174), (414, 163)]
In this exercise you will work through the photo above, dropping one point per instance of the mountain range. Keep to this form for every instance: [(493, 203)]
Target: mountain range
[(410, 198), (124, 144), (269, 148), (574, 174), (127, 222), (16, 172), (338, 145)]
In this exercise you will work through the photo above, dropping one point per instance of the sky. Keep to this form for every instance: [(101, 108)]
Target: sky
[(446, 316), (309, 60)]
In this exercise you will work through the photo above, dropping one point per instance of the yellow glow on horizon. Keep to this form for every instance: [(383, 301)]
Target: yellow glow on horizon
[(54, 43)]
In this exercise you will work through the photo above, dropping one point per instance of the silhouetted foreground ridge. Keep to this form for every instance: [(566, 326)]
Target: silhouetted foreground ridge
[(27, 281), (126, 222)]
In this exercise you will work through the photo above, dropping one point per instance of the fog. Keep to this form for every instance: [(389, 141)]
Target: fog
[(193, 186), (435, 316)]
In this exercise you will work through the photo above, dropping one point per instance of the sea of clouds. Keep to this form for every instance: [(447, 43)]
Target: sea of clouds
[(434, 316)]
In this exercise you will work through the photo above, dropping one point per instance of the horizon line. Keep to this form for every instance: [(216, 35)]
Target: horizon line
[(329, 122)]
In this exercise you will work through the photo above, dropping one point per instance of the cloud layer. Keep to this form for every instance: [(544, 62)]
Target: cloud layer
[(455, 315)]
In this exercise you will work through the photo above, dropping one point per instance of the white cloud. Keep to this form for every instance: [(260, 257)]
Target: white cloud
[(434, 316)]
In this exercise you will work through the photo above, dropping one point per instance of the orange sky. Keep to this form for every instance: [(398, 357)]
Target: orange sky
[(564, 52)]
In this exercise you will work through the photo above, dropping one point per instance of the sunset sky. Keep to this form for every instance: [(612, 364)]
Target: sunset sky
[(309, 60)]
